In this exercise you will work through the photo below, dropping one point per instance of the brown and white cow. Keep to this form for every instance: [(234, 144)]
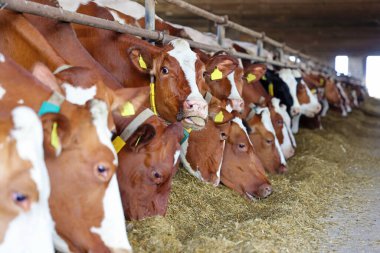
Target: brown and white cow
[(88, 214), (177, 70), (254, 93), (24, 185)]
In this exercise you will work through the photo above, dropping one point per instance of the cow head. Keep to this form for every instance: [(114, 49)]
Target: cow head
[(228, 85), (71, 138), (242, 170), (147, 165), (178, 73), (288, 144), (24, 185), (265, 142), (203, 159), (287, 76)]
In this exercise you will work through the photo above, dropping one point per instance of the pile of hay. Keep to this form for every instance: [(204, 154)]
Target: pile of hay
[(202, 218)]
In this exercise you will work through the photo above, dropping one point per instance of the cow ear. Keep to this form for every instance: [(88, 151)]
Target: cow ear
[(57, 133), (220, 66), (141, 137), (45, 76), (255, 72), (141, 60)]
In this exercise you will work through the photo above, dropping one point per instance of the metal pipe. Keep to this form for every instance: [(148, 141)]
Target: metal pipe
[(221, 34), (150, 14), (221, 20), (66, 16)]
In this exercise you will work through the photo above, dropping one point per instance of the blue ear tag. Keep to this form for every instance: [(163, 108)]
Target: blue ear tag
[(48, 107)]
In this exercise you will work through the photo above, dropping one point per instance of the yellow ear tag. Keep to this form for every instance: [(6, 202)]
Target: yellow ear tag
[(251, 77), (54, 139), (219, 117), (270, 89), (118, 144), (216, 74), (314, 91), (142, 62), (264, 78), (321, 81), (127, 109)]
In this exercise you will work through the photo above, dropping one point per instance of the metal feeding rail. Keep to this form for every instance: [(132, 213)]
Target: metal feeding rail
[(149, 33), (222, 21), (67, 16)]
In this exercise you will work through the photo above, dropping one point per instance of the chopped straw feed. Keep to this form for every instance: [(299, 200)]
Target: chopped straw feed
[(202, 218)]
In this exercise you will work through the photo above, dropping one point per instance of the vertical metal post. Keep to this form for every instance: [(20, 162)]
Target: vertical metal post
[(281, 54), (221, 34), (260, 47), (150, 14)]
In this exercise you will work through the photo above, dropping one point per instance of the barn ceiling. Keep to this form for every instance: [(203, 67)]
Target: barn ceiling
[(321, 28)]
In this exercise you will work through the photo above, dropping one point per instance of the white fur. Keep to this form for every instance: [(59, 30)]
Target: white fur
[(60, 244), (100, 119), (289, 142), (78, 95), (71, 5), (313, 107), (267, 122), (326, 107), (112, 229), (287, 76), (234, 91), (2, 92), (229, 108), (34, 227), (2, 58), (117, 17), (176, 155), (197, 36), (186, 58), (186, 164), (344, 95), (220, 166), (239, 122), (20, 102)]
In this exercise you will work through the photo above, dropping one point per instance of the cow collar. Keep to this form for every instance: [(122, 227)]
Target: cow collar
[(120, 140), (52, 105)]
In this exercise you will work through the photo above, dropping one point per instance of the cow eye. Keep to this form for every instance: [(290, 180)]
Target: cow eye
[(268, 141), (164, 70), (22, 200), (280, 122), (103, 172), (242, 146)]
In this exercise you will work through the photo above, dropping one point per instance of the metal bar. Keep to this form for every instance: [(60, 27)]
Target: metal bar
[(66, 16), (221, 34), (150, 14), (218, 19), (260, 47)]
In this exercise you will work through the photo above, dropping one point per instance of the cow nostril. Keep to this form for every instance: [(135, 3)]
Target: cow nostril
[(156, 174)]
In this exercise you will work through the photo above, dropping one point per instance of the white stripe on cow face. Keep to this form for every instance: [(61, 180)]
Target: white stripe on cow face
[(287, 76), (2, 58), (186, 164), (78, 95), (100, 119), (289, 142), (186, 58), (234, 94), (176, 156), (34, 227), (239, 122), (267, 122), (2, 92), (112, 229)]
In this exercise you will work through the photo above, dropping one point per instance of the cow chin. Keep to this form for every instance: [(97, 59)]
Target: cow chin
[(194, 122)]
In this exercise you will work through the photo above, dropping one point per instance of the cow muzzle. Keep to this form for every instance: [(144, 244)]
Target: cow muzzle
[(195, 114)]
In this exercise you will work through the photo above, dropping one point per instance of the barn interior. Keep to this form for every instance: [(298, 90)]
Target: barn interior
[(329, 199), (323, 29)]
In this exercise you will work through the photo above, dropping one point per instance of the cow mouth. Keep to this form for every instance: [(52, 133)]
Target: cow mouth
[(251, 196), (194, 122)]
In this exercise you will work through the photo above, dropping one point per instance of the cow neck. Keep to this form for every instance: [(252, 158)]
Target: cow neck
[(120, 141)]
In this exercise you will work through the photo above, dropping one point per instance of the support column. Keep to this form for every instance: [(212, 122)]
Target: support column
[(357, 66)]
